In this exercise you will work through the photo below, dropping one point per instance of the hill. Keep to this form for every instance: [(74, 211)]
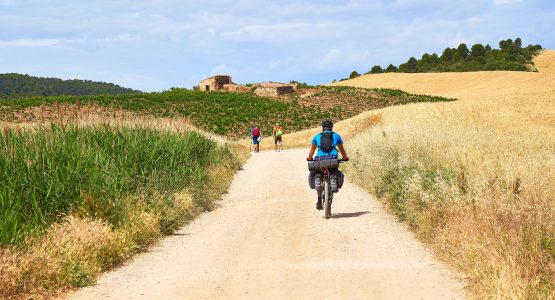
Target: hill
[(511, 56), (471, 177), (229, 114), (467, 85), (17, 85)]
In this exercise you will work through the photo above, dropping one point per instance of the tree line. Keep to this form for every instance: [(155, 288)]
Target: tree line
[(14, 85), (511, 56)]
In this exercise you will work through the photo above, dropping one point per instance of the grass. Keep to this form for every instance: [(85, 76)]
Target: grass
[(77, 200), (99, 178), (475, 180), (229, 114), (50, 171)]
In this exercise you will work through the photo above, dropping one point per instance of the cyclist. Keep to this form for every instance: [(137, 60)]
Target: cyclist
[(317, 142), (277, 133)]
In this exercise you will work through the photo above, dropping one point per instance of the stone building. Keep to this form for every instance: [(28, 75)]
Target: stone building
[(273, 89), (214, 83), (232, 87)]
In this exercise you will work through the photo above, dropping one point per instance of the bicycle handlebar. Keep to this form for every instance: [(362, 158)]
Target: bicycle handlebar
[(339, 160)]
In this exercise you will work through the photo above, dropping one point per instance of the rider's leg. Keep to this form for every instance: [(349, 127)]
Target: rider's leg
[(319, 200)]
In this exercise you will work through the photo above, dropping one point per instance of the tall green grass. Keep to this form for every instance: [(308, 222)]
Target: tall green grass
[(49, 172)]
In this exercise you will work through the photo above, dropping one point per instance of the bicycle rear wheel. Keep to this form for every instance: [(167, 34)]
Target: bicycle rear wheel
[(327, 200)]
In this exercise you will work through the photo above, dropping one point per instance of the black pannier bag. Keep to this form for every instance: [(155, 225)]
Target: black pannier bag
[(326, 164), (314, 180), (336, 180), (326, 141)]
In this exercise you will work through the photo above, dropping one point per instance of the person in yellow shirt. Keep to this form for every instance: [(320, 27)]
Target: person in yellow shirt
[(277, 133)]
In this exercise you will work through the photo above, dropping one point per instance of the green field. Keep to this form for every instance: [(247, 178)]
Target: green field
[(230, 114), (50, 172)]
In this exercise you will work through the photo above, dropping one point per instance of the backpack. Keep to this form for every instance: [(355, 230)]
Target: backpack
[(326, 141), (256, 132)]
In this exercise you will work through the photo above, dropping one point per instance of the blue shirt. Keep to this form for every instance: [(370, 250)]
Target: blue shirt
[(336, 141)]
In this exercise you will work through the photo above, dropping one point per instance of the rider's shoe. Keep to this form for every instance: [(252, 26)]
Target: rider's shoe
[(319, 205)]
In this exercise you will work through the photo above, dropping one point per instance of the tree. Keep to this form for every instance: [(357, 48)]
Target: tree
[(462, 50), (478, 50), (447, 54), (518, 43), (511, 56), (376, 69), (488, 48), (17, 85), (412, 65), (391, 68), (505, 45), (354, 74)]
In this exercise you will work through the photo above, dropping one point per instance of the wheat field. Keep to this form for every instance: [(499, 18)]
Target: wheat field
[(475, 177)]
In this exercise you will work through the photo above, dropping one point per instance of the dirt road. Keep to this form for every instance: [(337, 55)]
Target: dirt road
[(267, 240)]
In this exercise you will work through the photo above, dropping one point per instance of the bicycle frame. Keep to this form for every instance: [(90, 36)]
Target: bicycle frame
[(327, 193)]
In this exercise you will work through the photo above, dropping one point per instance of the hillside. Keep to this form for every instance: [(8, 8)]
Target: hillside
[(16, 85), (467, 85), (229, 114), (474, 178)]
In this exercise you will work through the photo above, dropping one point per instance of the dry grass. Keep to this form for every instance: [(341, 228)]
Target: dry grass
[(73, 252), (347, 128), (93, 115), (476, 177)]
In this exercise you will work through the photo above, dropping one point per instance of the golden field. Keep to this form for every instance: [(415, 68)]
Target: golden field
[(468, 85), (475, 178)]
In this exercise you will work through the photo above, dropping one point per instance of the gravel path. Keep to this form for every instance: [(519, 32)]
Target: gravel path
[(267, 240)]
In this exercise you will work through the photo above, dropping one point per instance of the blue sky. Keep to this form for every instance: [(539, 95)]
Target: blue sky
[(157, 44)]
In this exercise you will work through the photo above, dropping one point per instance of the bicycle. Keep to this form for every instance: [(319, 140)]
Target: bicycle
[(324, 167)]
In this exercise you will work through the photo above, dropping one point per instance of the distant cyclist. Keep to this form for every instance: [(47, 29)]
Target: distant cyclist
[(277, 133), (326, 142), (256, 136)]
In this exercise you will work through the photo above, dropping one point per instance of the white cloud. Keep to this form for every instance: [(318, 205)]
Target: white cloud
[(506, 2), (123, 37), (284, 33), (31, 43)]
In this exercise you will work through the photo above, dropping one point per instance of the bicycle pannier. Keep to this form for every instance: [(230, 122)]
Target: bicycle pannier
[(314, 180), (336, 180), (327, 164)]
